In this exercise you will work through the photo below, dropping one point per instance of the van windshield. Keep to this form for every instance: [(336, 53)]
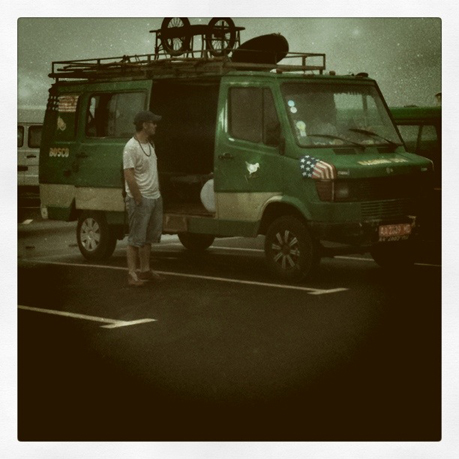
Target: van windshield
[(338, 115)]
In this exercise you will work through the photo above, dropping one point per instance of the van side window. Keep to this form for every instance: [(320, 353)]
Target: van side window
[(34, 136), (66, 123), (245, 115), (271, 125), (112, 115), (410, 134), (20, 136), (429, 139), (253, 116)]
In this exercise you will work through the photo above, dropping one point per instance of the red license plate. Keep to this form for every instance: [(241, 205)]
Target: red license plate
[(394, 232)]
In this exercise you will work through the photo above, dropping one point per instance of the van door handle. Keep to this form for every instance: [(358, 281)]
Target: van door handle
[(31, 156), (226, 156), (82, 155)]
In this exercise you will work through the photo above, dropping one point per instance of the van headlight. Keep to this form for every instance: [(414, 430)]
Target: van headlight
[(333, 190), (342, 191)]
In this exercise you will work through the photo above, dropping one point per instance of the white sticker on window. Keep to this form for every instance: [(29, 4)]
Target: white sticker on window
[(301, 126), (61, 126)]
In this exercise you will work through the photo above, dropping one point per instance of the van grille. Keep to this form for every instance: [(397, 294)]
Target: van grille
[(381, 188), (389, 197), (386, 209)]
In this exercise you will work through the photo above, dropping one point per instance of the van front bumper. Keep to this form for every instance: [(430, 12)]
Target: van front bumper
[(357, 233)]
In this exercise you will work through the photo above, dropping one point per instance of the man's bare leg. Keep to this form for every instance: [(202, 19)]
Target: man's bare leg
[(145, 272), (132, 254), (144, 255)]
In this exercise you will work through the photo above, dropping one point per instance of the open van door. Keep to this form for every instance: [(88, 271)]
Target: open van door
[(107, 112)]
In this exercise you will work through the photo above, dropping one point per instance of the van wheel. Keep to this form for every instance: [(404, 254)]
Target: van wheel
[(95, 239), (393, 255), (291, 253), (176, 45), (221, 36), (196, 242)]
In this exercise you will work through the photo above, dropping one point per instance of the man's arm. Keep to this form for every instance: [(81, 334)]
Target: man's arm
[(132, 184)]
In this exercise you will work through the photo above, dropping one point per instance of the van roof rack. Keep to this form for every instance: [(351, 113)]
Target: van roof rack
[(149, 65)]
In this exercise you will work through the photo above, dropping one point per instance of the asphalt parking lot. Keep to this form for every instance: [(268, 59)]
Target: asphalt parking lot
[(220, 350)]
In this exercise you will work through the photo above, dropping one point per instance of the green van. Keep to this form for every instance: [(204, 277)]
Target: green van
[(310, 160), (420, 128)]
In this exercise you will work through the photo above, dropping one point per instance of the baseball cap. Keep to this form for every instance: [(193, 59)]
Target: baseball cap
[(144, 116)]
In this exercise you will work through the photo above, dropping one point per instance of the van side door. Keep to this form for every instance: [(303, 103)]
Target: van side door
[(106, 120), (58, 149), (248, 158)]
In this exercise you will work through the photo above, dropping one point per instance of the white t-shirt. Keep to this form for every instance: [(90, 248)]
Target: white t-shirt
[(144, 163)]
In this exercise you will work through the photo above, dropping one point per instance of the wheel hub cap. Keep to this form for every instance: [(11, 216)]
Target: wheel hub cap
[(286, 250), (90, 234)]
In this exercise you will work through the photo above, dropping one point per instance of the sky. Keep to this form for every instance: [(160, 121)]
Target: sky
[(402, 54)]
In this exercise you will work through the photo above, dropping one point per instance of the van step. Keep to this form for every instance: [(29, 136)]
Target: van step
[(175, 223), (189, 209)]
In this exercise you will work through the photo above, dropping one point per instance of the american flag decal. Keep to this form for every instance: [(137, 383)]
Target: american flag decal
[(316, 169), (67, 104)]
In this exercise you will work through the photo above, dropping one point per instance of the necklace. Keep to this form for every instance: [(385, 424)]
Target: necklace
[(144, 152)]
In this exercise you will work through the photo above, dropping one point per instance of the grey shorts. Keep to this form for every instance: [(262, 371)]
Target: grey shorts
[(145, 221)]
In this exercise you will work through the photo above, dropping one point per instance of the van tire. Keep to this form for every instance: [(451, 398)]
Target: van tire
[(393, 255), (96, 240), (196, 242), (291, 252), (170, 44), (214, 34)]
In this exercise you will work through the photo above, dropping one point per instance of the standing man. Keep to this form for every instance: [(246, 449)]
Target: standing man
[(144, 202)]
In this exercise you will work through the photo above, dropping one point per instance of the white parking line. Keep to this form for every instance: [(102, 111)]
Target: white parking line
[(112, 323), (311, 291)]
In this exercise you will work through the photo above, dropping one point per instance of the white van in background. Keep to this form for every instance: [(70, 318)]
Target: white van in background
[(29, 138), (30, 123)]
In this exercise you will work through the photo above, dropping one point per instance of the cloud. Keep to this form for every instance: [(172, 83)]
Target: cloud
[(32, 90)]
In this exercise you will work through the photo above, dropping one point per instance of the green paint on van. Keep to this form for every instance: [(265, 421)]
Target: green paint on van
[(299, 156)]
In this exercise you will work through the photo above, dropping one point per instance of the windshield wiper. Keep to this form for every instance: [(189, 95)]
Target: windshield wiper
[(373, 134), (336, 137)]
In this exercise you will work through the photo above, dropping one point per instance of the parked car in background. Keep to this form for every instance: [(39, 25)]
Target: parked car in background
[(30, 123), (420, 128), (29, 138)]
